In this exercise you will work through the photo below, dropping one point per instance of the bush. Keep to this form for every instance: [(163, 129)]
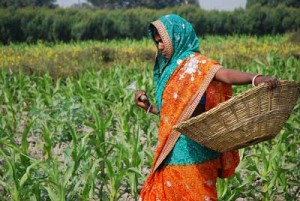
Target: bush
[(31, 24)]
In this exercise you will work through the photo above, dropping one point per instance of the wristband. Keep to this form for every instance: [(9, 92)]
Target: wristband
[(149, 108), (253, 79)]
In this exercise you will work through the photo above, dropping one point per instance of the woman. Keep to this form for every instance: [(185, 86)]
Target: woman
[(187, 84)]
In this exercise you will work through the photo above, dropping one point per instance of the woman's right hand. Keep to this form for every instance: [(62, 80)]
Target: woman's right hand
[(271, 81), (140, 99)]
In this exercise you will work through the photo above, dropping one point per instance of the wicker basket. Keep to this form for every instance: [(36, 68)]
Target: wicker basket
[(253, 116)]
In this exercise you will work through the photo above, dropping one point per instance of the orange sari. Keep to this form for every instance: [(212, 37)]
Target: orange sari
[(181, 95)]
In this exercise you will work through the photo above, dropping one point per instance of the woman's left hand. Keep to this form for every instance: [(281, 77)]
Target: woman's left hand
[(271, 81)]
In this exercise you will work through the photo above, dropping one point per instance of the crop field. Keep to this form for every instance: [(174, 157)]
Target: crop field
[(69, 128)]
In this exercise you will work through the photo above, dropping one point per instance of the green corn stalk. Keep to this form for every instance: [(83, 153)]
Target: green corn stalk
[(118, 127), (48, 142), (90, 180), (56, 182), (15, 177), (100, 127)]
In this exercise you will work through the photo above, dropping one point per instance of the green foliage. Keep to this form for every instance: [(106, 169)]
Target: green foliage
[(81, 137), (92, 153), (26, 3), (273, 3), (155, 4), (73, 24)]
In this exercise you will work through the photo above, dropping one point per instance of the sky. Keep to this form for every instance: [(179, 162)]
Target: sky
[(222, 4), (205, 4)]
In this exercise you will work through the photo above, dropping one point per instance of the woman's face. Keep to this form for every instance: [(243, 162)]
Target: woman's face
[(160, 44)]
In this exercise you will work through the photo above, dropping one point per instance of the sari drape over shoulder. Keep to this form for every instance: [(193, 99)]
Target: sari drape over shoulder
[(183, 169)]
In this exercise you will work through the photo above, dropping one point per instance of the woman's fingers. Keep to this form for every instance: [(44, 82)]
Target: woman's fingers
[(271, 81), (141, 99), (138, 94)]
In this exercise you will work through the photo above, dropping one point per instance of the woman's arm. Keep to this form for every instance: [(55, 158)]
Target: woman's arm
[(146, 105), (235, 77)]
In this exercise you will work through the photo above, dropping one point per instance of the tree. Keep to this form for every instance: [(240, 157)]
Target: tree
[(26, 3), (47, 3), (157, 4), (273, 3)]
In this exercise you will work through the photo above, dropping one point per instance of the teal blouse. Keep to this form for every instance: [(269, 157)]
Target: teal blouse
[(186, 152)]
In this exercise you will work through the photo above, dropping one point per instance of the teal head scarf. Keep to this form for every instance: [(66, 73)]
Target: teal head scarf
[(180, 41)]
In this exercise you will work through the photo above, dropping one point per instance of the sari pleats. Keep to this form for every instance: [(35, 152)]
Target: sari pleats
[(195, 181)]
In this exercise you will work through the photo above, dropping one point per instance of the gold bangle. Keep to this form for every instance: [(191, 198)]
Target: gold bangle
[(253, 79)]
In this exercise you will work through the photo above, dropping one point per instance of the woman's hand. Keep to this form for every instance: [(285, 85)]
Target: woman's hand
[(140, 100), (271, 81)]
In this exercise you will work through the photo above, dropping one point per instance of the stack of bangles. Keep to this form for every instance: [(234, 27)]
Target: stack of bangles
[(253, 79), (149, 108)]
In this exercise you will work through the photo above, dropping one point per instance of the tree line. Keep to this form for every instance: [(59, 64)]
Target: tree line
[(73, 24), (104, 4), (153, 4), (27, 3), (273, 3)]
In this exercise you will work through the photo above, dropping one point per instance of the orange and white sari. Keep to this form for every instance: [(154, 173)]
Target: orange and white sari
[(194, 176)]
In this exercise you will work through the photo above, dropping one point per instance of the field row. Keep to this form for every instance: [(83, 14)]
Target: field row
[(81, 137)]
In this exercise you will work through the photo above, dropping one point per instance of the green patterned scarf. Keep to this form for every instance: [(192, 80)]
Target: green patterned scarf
[(182, 41)]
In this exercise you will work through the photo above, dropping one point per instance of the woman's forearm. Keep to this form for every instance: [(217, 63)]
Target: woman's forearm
[(233, 77)]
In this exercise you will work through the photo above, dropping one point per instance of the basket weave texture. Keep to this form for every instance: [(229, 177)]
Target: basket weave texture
[(253, 116)]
